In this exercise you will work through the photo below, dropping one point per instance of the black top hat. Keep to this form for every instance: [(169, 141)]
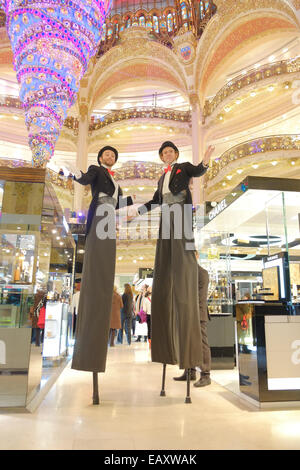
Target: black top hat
[(167, 144), (107, 147)]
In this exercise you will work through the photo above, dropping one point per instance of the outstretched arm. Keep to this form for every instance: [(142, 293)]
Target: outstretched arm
[(150, 205), (86, 178), (199, 170)]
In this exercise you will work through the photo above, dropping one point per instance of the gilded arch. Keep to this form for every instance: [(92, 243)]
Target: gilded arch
[(227, 31)]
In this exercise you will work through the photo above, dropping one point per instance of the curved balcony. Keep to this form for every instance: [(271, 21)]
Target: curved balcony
[(9, 103), (259, 147), (253, 76), (139, 113)]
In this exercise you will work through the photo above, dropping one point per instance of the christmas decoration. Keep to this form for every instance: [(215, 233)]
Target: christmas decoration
[(52, 43)]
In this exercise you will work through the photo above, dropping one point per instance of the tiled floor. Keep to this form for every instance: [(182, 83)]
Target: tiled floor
[(132, 415)]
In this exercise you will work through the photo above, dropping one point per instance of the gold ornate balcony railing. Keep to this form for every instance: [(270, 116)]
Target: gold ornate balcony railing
[(129, 171), (256, 75), (260, 146), (139, 113), (146, 112), (10, 102)]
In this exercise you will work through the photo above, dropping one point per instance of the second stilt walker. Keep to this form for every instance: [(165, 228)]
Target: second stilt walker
[(175, 317)]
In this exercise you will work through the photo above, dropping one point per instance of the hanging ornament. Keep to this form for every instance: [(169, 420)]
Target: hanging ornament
[(52, 43)]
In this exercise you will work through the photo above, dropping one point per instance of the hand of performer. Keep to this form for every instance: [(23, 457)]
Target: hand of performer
[(76, 172), (208, 154), (132, 213)]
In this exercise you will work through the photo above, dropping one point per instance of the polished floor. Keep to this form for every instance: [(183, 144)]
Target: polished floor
[(133, 416)]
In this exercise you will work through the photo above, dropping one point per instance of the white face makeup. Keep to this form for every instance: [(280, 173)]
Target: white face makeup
[(169, 155), (108, 158)]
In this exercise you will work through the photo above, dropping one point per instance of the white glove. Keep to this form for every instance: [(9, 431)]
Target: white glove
[(77, 173), (132, 211)]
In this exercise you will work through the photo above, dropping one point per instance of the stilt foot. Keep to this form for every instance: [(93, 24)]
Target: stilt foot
[(96, 400), (188, 382), (163, 392)]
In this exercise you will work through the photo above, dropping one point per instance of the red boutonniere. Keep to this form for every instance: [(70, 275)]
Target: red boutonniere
[(178, 171)]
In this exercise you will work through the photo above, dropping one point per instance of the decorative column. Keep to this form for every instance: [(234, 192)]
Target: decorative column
[(82, 153), (197, 145)]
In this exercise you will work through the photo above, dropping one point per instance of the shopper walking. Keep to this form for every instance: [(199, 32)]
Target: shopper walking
[(141, 327), (126, 314), (147, 310), (205, 364), (115, 321)]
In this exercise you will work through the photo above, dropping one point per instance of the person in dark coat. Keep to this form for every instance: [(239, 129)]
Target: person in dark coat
[(126, 314), (205, 365), (176, 335), (115, 321), (94, 311)]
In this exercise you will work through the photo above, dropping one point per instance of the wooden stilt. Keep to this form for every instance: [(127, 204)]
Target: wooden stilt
[(95, 389), (163, 392), (188, 388)]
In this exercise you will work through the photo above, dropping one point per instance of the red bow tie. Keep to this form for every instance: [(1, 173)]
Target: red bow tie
[(169, 168), (110, 172)]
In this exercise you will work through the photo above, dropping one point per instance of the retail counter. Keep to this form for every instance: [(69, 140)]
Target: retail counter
[(268, 336), (55, 337), (220, 332)]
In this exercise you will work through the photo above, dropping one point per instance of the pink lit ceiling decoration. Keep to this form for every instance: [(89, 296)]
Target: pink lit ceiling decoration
[(52, 43)]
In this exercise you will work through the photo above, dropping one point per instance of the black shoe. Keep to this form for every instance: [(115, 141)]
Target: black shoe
[(203, 381), (183, 377)]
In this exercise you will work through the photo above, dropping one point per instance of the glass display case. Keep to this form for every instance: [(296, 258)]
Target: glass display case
[(214, 254), (262, 217), (36, 248)]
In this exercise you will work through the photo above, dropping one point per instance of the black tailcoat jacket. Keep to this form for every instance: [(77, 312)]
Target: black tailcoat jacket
[(179, 181), (175, 316), (100, 180)]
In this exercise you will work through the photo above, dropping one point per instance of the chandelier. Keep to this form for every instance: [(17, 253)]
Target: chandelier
[(52, 43)]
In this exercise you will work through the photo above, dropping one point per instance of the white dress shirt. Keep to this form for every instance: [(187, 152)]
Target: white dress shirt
[(115, 195), (165, 188)]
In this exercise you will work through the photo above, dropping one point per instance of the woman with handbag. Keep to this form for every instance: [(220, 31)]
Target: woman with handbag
[(41, 321)]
